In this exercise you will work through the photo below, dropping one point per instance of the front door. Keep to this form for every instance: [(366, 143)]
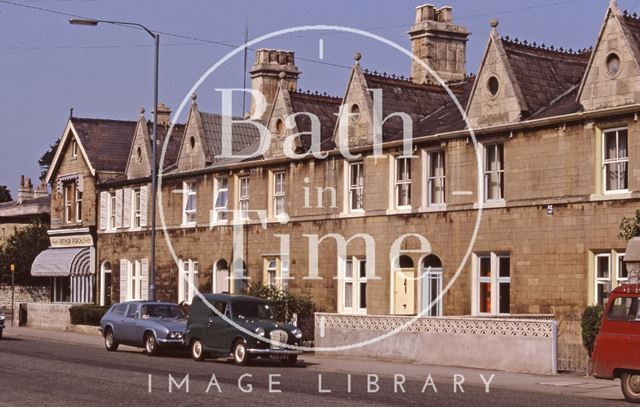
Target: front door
[(405, 292)]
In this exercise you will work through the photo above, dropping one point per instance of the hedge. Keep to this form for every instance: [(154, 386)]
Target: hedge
[(87, 314), (283, 304), (591, 318)]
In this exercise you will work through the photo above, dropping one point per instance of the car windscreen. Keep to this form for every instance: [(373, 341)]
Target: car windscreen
[(251, 309), (161, 311)]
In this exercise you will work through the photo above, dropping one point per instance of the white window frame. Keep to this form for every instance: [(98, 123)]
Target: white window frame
[(134, 281), (220, 214), (272, 274), (401, 181), (614, 161), (488, 172), (279, 194), (356, 188), (136, 209), (74, 149), (604, 281), (494, 280), (67, 202), (355, 280), (78, 214), (189, 188), (111, 206), (619, 265), (188, 273), (431, 178), (244, 195)]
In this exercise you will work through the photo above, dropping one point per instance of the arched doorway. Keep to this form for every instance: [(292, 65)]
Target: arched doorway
[(222, 276), (431, 272), (105, 283), (404, 286)]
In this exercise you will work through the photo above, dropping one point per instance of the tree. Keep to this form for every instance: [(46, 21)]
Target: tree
[(630, 226), (5, 194), (591, 318), (44, 162), (21, 249)]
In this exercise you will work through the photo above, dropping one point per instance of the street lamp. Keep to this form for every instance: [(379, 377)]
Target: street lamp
[(154, 147)]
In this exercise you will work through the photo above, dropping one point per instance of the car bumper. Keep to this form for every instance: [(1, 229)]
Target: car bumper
[(170, 342), (274, 352)]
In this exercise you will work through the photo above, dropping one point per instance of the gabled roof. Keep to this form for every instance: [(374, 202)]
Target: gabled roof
[(107, 142), (322, 106), (542, 73)]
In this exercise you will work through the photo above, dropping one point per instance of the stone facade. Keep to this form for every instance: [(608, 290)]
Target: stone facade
[(23, 294)]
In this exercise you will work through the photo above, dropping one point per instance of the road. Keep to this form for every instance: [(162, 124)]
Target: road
[(35, 373)]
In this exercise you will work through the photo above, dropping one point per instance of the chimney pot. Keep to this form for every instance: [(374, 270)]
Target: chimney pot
[(164, 114)]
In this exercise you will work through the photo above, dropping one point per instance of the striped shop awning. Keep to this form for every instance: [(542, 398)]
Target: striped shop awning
[(62, 263)]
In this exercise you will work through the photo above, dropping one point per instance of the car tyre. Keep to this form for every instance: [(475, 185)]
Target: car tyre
[(110, 341), (197, 350), (240, 354), (290, 360), (630, 383), (151, 345)]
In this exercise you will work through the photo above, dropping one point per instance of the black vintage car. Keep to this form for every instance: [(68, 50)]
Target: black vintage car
[(218, 334), (2, 318)]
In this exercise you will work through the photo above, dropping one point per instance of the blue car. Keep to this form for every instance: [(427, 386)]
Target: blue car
[(153, 326)]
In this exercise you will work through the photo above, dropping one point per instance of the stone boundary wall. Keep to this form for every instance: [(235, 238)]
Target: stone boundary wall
[(23, 294), (515, 345)]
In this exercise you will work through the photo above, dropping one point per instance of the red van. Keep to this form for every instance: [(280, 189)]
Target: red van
[(616, 353)]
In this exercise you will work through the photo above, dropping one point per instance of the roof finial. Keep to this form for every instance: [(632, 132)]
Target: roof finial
[(194, 96), (357, 57), (71, 113), (142, 111), (282, 75), (494, 23), (613, 4)]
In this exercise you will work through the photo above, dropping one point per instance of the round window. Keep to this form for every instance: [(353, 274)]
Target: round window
[(613, 64), (493, 85), (192, 142), (354, 112), (279, 125), (139, 154)]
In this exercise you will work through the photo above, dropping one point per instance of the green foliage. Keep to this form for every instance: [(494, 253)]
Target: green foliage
[(21, 249), (283, 303), (591, 319), (87, 314), (630, 226), (44, 162), (5, 194)]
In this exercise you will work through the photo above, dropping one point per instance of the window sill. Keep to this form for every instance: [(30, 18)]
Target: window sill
[(611, 196), (491, 204), (399, 211), (215, 223), (352, 214), (433, 208), (188, 225)]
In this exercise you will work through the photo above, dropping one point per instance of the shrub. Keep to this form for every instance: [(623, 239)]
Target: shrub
[(591, 318), (87, 314), (283, 304)]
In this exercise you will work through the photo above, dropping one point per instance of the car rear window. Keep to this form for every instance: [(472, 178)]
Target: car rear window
[(625, 309)]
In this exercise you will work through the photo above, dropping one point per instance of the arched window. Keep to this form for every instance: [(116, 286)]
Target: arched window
[(432, 261), (105, 283), (405, 262)]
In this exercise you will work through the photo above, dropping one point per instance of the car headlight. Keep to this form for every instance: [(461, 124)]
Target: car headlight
[(260, 331), (297, 333), (175, 335), (1, 317)]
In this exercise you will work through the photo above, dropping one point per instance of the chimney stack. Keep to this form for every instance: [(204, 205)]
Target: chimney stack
[(26, 189), (164, 114), (438, 42), (265, 74), (41, 191)]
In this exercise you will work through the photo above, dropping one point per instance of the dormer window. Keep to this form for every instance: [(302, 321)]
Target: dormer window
[(493, 85), (613, 64)]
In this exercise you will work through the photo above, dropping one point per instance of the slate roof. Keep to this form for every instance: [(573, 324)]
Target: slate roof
[(633, 24), (244, 135), (416, 100), (325, 108), (544, 74), (173, 147), (447, 118), (29, 208), (107, 142)]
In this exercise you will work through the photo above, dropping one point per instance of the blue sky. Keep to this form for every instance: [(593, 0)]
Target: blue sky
[(48, 66)]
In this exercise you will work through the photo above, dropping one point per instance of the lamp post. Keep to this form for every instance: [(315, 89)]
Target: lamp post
[(154, 147)]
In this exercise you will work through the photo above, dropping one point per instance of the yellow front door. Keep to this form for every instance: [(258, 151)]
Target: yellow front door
[(405, 292)]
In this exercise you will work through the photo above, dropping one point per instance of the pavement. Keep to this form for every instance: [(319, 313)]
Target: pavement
[(566, 386)]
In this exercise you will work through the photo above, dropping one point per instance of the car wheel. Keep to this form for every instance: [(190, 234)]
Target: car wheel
[(630, 383), (240, 354), (150, 344), (290, 360), (110, 341), (197, 350)]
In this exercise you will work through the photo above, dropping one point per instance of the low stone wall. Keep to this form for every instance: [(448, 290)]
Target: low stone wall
[(48, 316), (23, 294), (515, 345)]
